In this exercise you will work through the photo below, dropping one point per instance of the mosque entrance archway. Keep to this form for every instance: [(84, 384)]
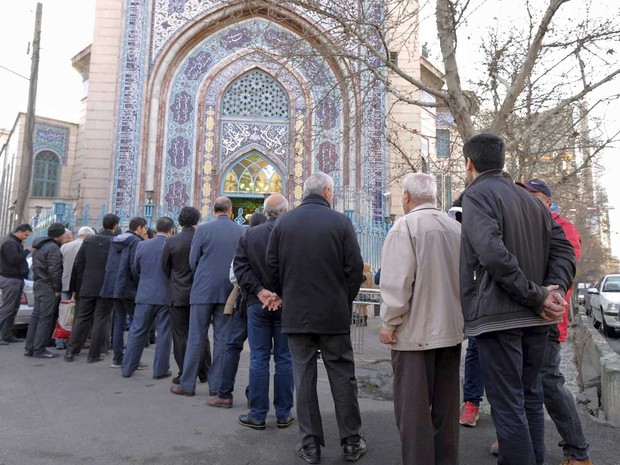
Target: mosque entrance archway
[(249, 180)]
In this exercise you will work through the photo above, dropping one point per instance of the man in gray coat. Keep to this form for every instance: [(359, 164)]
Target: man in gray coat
[(212, 251)]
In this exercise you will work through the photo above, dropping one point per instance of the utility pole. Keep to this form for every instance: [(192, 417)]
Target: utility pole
[(25, 174)]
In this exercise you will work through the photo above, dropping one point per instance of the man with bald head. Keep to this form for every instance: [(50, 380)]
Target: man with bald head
[(264, 324), (212, 250)]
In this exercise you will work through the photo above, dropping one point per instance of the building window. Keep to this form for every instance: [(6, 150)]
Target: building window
[(444, 191), (252, 176), (257, 95), (394, 58), (443, 143), (46, 175)]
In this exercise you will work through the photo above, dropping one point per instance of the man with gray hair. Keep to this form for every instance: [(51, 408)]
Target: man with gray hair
[(422, 322), (314, 264), (264, 320), (69, 251)]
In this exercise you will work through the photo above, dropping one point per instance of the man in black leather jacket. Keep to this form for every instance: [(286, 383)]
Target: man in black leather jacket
[(516, 265), (47, 271)]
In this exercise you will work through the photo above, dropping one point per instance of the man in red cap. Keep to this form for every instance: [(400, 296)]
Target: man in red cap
[(558, 399)]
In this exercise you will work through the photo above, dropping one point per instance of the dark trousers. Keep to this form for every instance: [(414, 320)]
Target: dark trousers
[(511, 362), (337, 355), (91, 313), (473, 387), (237, 334), (122, 310), (42, 320), (144, 317), (11, 296), (426, 404), (561, 405), (179, 326)]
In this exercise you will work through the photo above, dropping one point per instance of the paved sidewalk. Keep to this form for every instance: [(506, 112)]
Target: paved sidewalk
[(57, 413)]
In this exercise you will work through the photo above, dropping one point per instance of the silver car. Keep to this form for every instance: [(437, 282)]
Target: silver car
[(27, 301)]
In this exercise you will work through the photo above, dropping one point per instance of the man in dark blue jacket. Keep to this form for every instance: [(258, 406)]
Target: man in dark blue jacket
[(264, 324), (516, 265), (213, 248), (92, 309), (175, 264), (119, 282), (151, 304), (13, 271), (47, 286)]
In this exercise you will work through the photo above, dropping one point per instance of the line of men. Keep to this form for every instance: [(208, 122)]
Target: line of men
[(183, 282), (500, 276)]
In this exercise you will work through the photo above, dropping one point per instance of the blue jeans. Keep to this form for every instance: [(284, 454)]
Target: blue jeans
[(200, 318), (473, 387), (237, 334), (511, 362), (265, 333), (144, 316), (123, 309), (561, 405)]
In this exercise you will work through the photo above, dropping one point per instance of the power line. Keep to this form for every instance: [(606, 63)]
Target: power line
[(14, 72)]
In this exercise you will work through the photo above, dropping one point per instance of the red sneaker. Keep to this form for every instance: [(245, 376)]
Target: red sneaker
[(470, 415)]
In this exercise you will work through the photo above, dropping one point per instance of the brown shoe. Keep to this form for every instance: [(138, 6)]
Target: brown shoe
[(569, 461), (495, 448), (180, 392), (219, 402)]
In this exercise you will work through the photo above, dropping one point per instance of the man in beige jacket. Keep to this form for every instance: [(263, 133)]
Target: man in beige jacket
[(422, 322)]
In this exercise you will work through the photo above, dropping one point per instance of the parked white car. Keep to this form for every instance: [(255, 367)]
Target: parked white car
[(605, 304)]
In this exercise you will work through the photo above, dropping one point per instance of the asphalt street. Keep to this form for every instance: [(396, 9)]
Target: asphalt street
[(58, 413)]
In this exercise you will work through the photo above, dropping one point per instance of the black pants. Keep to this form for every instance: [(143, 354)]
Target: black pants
[(426, 404), (179, 325), (95, 312), (511, 362), (42, 320), (337, 355)]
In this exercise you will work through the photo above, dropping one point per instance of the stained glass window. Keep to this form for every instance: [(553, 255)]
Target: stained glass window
[(252, 175), (46, 175), (256, 94)]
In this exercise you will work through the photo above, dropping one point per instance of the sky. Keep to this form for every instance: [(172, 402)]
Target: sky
[(67, 28)]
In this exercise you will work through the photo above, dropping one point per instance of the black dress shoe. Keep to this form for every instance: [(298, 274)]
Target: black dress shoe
[(176, 380), (14, 339), (166, 375), (69, 357), (28, 353), (285, 422), (246, 420), (311, 453), (94, 359), (352, 452), (45, 354)]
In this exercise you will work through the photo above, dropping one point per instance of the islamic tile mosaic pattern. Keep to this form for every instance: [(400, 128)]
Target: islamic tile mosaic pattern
[(54, 138), (172, 16), (256, 94), (242, 91), (130, 108), (168, 19)]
